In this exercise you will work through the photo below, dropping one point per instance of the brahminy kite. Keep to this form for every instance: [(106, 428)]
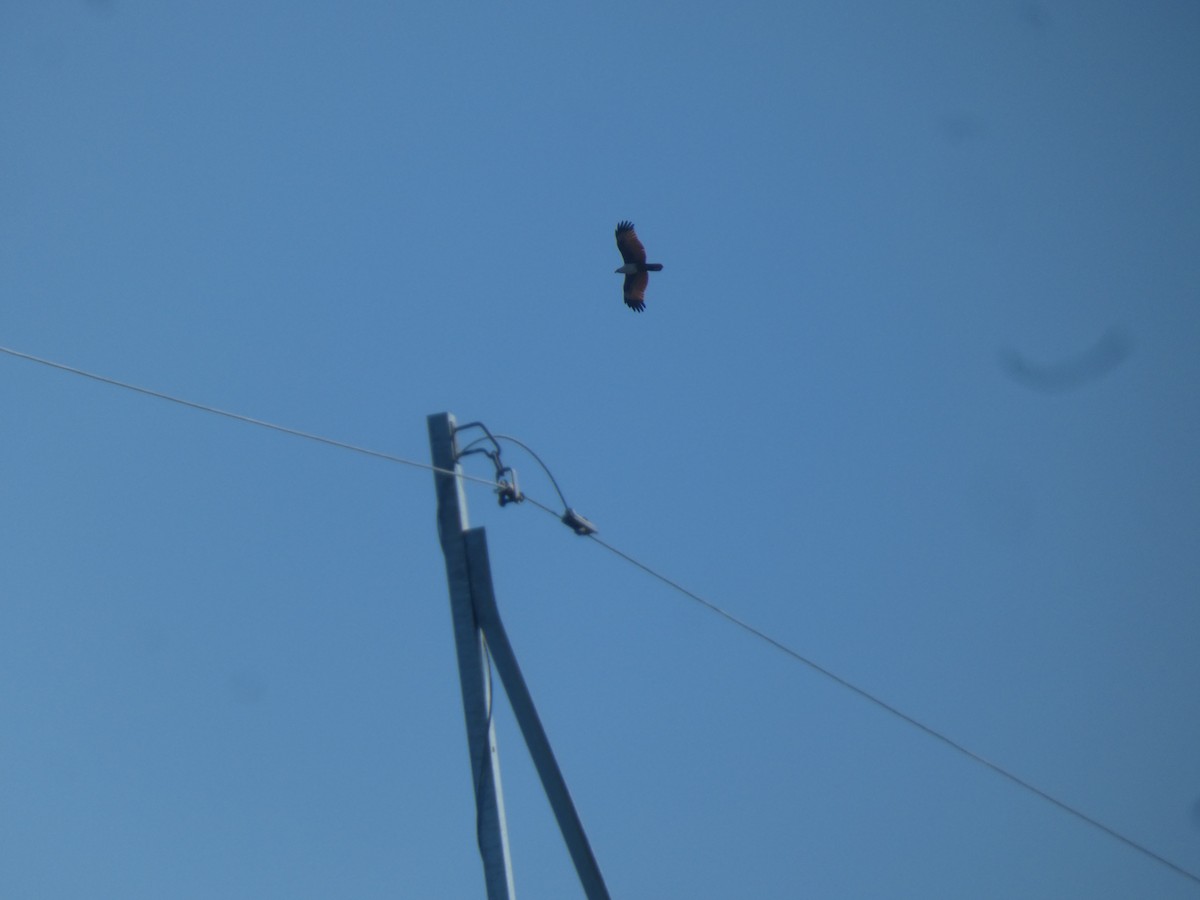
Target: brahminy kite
[(635, 267)]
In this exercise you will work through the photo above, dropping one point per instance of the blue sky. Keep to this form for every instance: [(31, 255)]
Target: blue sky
[(226, 662)]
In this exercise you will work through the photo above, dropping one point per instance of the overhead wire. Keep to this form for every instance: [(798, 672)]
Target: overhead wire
[(930, 731), (903, 716), (238, 417)]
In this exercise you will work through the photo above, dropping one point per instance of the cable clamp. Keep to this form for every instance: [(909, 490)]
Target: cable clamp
[(577, 523), (507, 490)]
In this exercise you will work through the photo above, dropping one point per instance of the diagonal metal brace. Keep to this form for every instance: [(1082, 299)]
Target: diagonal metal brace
[(488, 617)]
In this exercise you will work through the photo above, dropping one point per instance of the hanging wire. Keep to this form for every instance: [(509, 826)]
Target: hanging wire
[(238, 417), (569, 517), (545, 468), (900, 714), (506, 477)]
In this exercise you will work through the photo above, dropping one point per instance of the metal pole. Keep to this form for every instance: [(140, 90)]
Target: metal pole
[(473, 669), (488, 615)]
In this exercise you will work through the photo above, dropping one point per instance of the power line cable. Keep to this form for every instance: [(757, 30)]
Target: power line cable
[(903, 716), (238, 417)]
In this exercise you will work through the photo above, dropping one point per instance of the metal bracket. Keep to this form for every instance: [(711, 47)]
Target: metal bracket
[(506, 487)]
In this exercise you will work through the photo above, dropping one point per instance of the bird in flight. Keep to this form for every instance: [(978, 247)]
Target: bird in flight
[(635, 267)]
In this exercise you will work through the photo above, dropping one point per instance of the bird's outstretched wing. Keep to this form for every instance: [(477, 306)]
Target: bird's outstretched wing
[(635, 290), (631, 248)]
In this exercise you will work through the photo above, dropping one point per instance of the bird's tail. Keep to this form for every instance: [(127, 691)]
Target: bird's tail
[(653, 267)]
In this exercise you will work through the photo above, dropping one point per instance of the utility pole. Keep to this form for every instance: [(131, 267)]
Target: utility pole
[(491, 830), (478, 629)]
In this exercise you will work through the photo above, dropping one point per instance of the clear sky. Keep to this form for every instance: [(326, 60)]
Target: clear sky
[(915, 394)]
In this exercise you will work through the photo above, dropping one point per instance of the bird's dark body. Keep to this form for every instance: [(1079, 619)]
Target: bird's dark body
[(635, 268)]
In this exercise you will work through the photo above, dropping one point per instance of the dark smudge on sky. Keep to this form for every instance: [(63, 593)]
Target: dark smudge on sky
[(1101, 358)]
